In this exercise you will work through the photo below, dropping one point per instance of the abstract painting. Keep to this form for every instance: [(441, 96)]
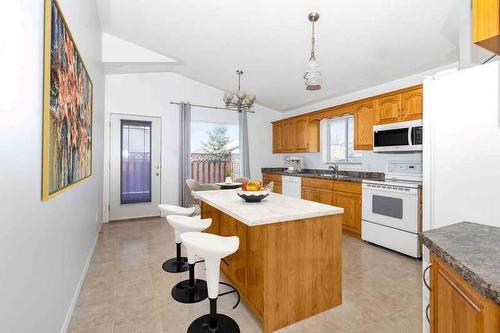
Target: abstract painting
[(67, 118)]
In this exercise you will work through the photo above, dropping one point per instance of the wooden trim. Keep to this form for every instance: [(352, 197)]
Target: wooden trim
[(324, 113)]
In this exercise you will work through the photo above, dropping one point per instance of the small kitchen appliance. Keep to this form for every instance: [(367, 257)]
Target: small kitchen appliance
[(294, 164), (398, 137)]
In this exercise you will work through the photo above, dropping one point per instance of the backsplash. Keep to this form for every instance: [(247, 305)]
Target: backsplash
[(370, 161)]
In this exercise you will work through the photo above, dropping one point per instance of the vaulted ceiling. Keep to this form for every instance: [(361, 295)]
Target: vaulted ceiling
[(360, 43)]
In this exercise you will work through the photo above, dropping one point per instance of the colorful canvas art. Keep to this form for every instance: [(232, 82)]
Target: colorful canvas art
[(67, 143)]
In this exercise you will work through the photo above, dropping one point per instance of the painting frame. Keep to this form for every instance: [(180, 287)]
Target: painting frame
[(47, 145)]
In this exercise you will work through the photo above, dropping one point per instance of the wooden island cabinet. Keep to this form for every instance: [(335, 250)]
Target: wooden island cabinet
[(288, 266)]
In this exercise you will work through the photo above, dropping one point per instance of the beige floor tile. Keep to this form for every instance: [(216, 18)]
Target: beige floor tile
[(381, 289), (93, 318)]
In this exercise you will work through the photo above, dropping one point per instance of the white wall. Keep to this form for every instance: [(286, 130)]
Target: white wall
[(151, 94), (44, 246), (370, 161)]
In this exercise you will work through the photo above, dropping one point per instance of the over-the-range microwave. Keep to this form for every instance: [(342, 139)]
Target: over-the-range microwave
[(398, 137)]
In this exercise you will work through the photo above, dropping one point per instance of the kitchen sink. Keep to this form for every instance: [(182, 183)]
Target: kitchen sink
[(333, 176)]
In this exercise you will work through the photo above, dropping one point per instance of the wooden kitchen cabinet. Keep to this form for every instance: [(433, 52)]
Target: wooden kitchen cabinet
[(296, 134), (277, 137), (288, 136), (412, 104), (269, 177), (486, 24), (363, 126), (387, 109), (301, 134), (337, 193), (317, 190), (351, 202), (456, 307)]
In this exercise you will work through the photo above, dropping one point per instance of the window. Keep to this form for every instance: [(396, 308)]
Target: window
[(136, 162), (337, 140), (214, 151)]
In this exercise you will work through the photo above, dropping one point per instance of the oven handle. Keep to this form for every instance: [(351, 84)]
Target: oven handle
[(367, 187)]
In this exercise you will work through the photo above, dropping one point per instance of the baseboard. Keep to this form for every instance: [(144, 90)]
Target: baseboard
[(72, 305)]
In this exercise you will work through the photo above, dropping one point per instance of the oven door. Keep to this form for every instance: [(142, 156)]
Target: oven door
[(391, 206)]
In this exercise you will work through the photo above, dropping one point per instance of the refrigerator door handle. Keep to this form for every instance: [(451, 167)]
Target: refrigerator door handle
[(423, 277)]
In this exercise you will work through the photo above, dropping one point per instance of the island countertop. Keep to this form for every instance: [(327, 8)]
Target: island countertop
[(273, 209)]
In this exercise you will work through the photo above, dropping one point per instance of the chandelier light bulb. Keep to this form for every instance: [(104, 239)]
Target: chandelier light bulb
[(239, 100)]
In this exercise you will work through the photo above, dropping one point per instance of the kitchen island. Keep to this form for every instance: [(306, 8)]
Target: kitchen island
[(289, 263)]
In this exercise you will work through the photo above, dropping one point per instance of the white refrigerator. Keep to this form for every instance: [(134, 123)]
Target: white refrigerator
[(461, 150)]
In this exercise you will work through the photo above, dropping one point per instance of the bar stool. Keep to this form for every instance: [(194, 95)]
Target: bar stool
[(177, 264), (212, 248), (191, 290)]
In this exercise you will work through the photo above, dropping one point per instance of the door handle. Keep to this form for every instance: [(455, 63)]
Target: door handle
[(423, 277)]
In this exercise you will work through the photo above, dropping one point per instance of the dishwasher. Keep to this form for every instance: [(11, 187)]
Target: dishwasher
[(292, 186)]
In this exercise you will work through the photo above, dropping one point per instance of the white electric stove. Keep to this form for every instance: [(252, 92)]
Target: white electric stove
[(392, 209)]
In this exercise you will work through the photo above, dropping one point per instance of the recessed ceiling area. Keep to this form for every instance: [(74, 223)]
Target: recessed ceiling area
[(358, 43)]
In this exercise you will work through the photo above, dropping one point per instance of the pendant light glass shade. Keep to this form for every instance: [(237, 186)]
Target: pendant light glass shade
[(312, 76)]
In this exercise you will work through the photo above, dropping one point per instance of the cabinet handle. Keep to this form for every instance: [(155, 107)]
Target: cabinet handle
[(427, 313), (423, 277)]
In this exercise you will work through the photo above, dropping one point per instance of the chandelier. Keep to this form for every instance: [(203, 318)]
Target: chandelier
[(312, 76), (239, 100)]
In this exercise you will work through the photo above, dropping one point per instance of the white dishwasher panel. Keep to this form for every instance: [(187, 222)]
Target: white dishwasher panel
[(292, 186)]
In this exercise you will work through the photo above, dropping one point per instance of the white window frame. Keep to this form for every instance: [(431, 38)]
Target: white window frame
[(326, 142)]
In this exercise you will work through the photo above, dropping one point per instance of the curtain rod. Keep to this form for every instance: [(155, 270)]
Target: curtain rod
[(213, 107)]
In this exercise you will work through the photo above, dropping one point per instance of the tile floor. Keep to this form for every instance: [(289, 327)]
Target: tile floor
[(126, 290)]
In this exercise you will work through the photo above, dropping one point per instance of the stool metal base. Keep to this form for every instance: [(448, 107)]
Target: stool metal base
[(184, 293), (175, 265), (225, 324)]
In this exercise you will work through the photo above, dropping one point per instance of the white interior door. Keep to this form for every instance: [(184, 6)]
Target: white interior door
[(135, 166)]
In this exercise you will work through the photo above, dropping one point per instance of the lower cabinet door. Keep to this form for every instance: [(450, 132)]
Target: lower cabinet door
[(235, 265), (351, 220), (456, 306), (310, 194)]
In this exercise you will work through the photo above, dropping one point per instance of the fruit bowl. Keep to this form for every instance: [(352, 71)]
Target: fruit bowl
[(252, 196)]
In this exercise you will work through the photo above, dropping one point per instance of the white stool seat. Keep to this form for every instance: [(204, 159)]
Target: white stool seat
[(209, 245), (183, 224), (212, 248), (176, 210)]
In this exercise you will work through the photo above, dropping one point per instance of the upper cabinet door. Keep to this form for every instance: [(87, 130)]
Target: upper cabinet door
[(277, 137), (289, 135), (486, 24), (412, 104), (387, 109), (301, 131), (363, 126)]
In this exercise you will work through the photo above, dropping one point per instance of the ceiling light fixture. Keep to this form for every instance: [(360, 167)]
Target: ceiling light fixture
[(313, 75), (240, 99)]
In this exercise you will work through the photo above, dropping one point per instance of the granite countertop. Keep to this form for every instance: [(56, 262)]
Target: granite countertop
[(473, 251), (345, 176), (273, 209)]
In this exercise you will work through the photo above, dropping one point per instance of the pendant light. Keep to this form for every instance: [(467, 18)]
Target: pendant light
[(312, 76)]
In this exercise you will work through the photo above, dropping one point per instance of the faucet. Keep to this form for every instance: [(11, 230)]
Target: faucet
[(334, 168)]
